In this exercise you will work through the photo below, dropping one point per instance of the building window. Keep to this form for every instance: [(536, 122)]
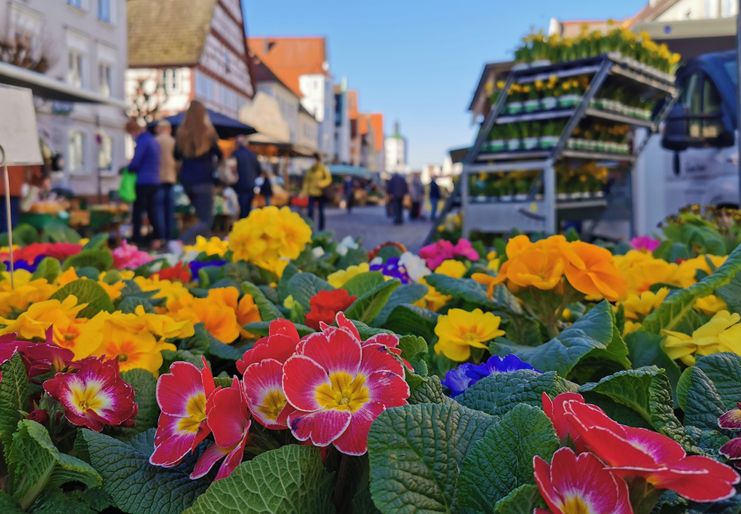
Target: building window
[(76, 151), (171, 80), (104, 10), (74, 68), (105, 152), (104, 79)]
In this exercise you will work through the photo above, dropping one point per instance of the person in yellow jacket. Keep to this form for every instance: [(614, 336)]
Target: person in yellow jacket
[(316, 181)]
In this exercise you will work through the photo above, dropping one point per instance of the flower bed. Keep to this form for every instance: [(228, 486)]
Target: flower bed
[(282, 371)]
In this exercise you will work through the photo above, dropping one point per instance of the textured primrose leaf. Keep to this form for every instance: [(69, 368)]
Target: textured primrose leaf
[(134, 484), (724, 370), (699, 399), (593, 336), (464, 289), (268, 311), (89, 292), (499, 393), (145, 386), (291, 480), (363, 282), (405, 294), (647, 392), (13, 393), (679, 304), (34, 464), (645, 350), (416, 452), (101, 260), (48, 269), (8, 505), (426, 390), (502, 460), (410, 319), (415, 349), (367, 306), (520, 501), (56, 501), (302, 286)]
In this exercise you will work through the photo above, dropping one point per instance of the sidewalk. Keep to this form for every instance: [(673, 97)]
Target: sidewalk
[(371, 225)]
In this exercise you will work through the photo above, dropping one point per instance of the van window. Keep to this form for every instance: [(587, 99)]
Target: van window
[(692, 100)]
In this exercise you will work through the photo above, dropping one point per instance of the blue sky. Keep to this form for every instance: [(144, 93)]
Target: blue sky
[(418, 61)]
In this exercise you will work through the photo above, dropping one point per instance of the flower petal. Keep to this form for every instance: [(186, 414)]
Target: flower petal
[(320, 427), (354, 440), (337, 351), (301, 377), (207, 460)]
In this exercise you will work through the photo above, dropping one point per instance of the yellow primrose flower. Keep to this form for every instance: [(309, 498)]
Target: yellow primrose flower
[(67, 276), (458, 331), (34, 323), (176, 295), (686, 274), (269, 238), (217, 312), (639, 305), (211, 246), (710, 304), (641, 270), (27, 291), (721, 334), (630, 326), (451, 268), (120, 336), (341, 277)]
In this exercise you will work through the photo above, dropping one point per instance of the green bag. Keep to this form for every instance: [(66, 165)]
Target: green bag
[(127, 189)]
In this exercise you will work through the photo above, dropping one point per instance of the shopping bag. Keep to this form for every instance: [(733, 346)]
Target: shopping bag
[(127, 189)]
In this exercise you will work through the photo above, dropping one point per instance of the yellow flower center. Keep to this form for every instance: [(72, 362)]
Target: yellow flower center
[(196, 409), (86, 396), (575, 505), (343, 392), (272, 404)]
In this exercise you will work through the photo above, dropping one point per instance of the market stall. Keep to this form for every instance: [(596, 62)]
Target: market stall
[(561, 138)]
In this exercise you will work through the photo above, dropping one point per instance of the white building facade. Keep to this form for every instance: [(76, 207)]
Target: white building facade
[(319, 99), (83, 43), (395, 149)]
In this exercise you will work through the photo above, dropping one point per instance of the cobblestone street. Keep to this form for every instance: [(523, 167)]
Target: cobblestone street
[(372, 226)]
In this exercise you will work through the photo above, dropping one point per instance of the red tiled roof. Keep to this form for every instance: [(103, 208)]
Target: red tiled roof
[(352, 104), (376, 121), (263, 73), (291, 57)]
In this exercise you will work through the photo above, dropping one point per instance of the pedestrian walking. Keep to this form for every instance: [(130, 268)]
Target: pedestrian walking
[(168, 178), (196, 145), (146, 164), (434, 198), (248, 169), (348, 191), (316, 183), (266, 188), (397, 190), (417, 196)]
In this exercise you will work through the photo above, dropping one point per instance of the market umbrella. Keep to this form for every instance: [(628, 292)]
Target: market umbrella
[(225, 126), (353, 171)]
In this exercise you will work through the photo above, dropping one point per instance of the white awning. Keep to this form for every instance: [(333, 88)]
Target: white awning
[(52, 89)]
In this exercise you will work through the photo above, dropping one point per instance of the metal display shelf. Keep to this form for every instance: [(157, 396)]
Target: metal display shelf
[(541, 213)]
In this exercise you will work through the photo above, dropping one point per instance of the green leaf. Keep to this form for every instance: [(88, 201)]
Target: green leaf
[(13, 394), (145, 386), (594, 336), (268, 311), (699, 399), (679, 304), (405, 294), (59, 233), (302, 286), (367, 332), (34, 464), (56, 501), (414, 349), (224, 351), (89, 292), (49, 269), (97, 242), (464, 289), (410, 319), (416, 452), (8, 505), (499, 393), (724, 370), (367, 306), (426, 390), (290, 480), (503, 459), (133, 483), (364, 282), (647, 392), (101, 260), (645, 350), (522, 500)]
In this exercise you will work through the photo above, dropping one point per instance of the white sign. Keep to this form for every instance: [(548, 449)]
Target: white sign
[(19, 136)]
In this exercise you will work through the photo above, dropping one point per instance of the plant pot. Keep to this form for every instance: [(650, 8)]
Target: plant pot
[(562, 196), (520, 197), (513, 145), (532, 105), (506, 198), (549, 104), (530, 143), (548, 141), (568, 101), (513, 108), (497, 145)]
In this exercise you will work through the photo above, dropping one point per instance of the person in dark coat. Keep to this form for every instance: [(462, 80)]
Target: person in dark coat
[(348, 191), (146, 164), (434, 198), (266, 188), (397, 189), (248, 169)]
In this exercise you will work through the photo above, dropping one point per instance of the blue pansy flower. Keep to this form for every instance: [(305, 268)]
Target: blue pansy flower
[(392, 268), (195, 266), (464, 376)]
